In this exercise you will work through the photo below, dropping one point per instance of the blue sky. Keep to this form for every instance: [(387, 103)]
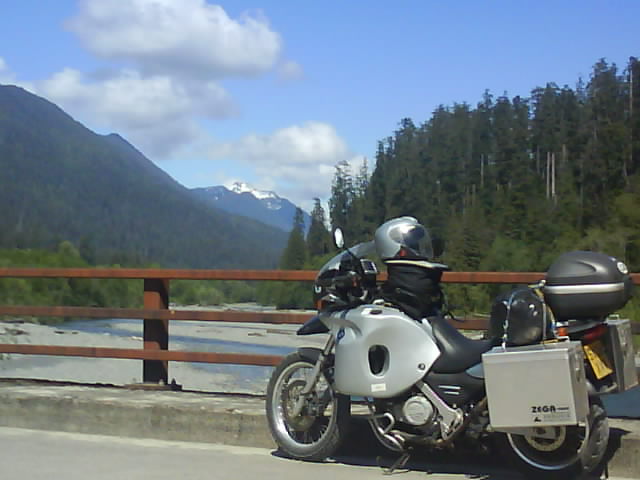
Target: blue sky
[(275, 93)]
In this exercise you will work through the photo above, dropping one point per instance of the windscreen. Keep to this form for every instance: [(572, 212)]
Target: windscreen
[(360, 250)]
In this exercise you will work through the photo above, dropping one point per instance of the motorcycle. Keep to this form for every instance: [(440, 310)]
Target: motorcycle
[(530, 391)]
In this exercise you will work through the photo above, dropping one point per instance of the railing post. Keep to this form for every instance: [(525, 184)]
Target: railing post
[(155, 332)]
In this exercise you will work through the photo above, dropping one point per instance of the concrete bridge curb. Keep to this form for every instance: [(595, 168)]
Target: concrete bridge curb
[(194, 416)]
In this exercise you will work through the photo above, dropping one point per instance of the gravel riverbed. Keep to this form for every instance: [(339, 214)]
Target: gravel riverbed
[(188, 336)]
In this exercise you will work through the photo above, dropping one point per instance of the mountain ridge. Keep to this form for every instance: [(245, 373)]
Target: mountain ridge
[(61, 181), (263, 205)]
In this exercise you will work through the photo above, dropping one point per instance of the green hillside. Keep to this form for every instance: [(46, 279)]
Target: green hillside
[(60, 181)]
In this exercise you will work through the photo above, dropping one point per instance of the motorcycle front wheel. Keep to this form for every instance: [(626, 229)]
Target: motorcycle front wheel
[(562, 452), (317, 430)]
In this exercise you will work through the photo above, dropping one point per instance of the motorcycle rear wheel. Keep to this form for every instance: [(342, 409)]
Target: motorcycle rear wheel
[(574, 450), (316, 432)]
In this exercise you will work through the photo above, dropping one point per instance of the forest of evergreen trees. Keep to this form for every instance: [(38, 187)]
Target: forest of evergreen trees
[(510, 183)]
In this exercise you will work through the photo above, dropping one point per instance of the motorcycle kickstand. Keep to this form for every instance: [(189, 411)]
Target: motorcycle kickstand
[(399, 463)]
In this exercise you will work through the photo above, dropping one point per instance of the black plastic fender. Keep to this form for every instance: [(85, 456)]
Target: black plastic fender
[(312, 326), (310, 354)]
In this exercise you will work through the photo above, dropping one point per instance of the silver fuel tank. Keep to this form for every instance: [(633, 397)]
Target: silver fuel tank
[(380, 352)]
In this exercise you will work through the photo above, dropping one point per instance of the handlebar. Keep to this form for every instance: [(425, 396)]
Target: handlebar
[(339, 280)]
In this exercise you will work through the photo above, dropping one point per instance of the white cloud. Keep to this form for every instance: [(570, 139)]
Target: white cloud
[(6, 75), (191, 36), (170, 55), (309, 144), (157, 113), (290, 70), (299, 159)]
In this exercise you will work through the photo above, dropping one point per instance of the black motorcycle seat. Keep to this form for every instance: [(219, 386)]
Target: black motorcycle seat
[(457, 352)]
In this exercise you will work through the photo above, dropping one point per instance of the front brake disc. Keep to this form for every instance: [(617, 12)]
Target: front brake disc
[(290, 394)]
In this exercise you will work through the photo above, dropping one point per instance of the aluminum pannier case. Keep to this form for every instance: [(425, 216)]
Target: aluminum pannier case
[(536, 385), (619, 342)]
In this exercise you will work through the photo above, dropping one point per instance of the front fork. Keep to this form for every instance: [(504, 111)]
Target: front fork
[(315, 375)]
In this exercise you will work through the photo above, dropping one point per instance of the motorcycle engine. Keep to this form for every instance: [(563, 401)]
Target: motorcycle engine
[(417, 411)]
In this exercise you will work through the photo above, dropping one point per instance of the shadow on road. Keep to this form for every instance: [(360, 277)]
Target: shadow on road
[(361, 448)]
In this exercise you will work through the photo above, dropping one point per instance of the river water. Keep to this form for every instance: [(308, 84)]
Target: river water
[(618, 405), (228, 378)]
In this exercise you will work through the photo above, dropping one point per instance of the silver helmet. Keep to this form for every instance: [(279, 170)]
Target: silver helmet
[(401, 237)]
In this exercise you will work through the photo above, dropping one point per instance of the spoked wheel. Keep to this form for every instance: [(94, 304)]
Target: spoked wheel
[(562, 452), (314, 433)]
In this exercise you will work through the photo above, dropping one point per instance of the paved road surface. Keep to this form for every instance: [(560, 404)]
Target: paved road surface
[(40, 455)]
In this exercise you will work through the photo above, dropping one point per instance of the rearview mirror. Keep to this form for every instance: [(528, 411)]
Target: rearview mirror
[(338, 237)]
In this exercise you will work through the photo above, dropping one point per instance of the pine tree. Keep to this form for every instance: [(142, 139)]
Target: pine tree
[(342, 194), (358, 228), (604, 158), (633, 115), (374, 198), (295, 254), (318, 238)]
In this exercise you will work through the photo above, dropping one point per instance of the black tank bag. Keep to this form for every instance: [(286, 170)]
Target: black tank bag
[(414, 289)]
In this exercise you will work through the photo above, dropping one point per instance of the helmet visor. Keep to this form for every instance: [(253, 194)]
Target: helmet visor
[(416, 238)]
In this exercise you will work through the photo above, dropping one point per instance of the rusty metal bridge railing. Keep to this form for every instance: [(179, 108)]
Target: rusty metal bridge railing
[(156, 312)]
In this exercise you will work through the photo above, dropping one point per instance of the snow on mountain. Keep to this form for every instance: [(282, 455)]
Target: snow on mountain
[(242, 187), (263, 205)]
